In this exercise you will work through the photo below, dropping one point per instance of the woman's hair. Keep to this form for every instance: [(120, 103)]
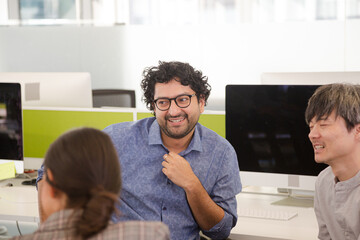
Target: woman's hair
[(167, 71), (343, 98), (85, 166)]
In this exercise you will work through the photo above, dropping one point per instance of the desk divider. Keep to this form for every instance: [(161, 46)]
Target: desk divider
[(42, 126)]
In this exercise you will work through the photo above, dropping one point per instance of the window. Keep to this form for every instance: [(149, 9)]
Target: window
[(174, 12), (353, 9), (296, 10), (47, 9), (326, 9)]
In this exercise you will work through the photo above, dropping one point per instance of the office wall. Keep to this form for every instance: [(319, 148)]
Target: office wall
[(115, 56), (69, 48)]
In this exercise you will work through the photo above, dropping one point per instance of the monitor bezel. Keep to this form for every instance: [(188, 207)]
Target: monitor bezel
[(19, 163), (283, 179)]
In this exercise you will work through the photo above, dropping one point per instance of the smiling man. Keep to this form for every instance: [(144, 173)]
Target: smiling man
[(174, 169), (333, 115)]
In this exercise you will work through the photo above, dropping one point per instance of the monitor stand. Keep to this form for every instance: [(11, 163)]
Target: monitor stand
[(293, 197), (295, 202), (296, 198)]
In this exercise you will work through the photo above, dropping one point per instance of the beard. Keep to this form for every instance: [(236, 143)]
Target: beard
[(177, 134)]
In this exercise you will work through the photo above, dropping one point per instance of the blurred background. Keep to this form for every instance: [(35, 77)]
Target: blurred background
[(230, 41)]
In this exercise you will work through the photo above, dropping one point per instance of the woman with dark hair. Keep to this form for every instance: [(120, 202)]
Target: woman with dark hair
[(81, 189)]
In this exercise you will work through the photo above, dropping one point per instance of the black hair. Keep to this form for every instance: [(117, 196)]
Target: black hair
[(344, 98)]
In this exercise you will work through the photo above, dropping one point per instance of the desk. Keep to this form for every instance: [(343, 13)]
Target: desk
[(18, 207), (302, 227), (19, 203)]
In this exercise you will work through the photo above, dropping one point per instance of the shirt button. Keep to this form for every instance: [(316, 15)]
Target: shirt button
[(164, 208)]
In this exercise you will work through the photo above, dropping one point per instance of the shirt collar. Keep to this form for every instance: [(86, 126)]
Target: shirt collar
[(348, 184), (154, 134), (155, 138), (63, 219)]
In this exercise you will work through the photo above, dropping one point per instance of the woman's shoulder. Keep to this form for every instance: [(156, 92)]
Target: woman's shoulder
[(136, 230)]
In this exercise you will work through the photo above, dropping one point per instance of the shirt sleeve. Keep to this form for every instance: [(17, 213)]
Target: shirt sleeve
[(40, 175), (323, 231), (223, 228), (224, 194)]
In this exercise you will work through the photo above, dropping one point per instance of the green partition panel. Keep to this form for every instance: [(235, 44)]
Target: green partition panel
[(215, 122), (42, 127), (142, 115)]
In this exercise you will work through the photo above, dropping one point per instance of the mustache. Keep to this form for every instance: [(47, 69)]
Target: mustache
[(184, 115)]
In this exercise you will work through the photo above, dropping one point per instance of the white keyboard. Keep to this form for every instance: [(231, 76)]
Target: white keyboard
[(266, 214)]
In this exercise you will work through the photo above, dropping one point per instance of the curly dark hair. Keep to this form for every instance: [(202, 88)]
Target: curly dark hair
[(167, 71)]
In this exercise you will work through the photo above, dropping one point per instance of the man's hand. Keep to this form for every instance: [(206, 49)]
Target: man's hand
[(206, 212), (178, 170)]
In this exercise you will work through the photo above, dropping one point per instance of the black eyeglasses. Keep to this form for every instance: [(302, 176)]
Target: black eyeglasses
[(182, 101)]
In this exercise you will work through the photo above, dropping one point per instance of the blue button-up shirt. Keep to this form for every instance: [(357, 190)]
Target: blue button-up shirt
[(147, 194)]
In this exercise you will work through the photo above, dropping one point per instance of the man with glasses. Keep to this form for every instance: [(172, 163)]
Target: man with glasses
[(175, 170)]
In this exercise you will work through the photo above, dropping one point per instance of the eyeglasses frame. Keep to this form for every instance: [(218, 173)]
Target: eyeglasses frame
[(170, 99)]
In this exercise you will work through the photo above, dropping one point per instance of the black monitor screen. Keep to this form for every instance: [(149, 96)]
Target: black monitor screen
[(11, 142), (266, 126)]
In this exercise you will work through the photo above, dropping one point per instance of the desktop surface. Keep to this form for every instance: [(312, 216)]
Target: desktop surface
[(302, 227), (19, 203), (249, 237)]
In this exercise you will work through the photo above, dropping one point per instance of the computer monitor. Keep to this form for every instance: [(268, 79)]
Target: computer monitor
[(52, 89), (266, 126), (11, 130)]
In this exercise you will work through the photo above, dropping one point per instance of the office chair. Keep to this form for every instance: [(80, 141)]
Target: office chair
[(113, 98)]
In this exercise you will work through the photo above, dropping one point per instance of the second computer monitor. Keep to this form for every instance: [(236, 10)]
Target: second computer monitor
[(52, 89), (266, 126)]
